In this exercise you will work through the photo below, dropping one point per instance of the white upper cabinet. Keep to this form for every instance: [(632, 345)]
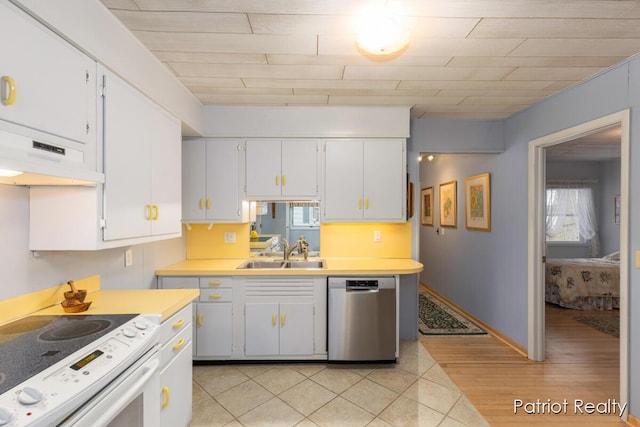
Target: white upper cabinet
[(46, 84), (282, 169), (142, 152), (212, 179), (364, 180), (141, 198)]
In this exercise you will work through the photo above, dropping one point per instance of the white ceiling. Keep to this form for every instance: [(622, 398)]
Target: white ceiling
[(473, 59), (604, 144)]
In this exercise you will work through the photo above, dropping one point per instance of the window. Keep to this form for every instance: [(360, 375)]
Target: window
[(570, 213), (305, 214)]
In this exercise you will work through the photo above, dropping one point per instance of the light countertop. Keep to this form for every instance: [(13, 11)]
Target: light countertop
[(334, 266)]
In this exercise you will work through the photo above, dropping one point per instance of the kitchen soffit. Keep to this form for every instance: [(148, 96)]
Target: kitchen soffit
[(477, 59)]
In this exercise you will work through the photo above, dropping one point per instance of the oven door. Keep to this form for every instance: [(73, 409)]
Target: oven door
[(132, 399)]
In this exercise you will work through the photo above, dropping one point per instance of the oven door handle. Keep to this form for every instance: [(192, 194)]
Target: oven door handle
[(149, 369)]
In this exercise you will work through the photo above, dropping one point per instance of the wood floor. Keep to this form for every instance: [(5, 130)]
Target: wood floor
[(582, 364)]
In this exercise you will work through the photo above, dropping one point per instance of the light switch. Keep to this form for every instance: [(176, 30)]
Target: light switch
[(128, 257), (377, 236), (637, 259), (229, 236)]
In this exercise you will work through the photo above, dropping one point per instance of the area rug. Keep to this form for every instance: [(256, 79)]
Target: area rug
[(437, 318), (608, 323)]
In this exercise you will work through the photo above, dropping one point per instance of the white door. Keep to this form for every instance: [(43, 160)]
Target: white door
[(214, 329), (299, 168), (223, 180), (384, 179), (343, 180), (261, 329), (263, 160), (194, 188), (296, 329), (55, 86), (127, 157)]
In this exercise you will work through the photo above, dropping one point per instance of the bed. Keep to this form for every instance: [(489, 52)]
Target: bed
[(584, 283)]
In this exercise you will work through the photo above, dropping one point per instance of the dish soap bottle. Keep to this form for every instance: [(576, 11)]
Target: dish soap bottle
[(254, 233)]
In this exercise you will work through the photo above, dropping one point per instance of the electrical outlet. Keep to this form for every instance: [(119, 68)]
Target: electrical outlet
[(377, 236), (128, 257), (229, 236), (442, 231)]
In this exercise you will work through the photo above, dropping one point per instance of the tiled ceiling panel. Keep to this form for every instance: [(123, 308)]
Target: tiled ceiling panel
[(484, 59)]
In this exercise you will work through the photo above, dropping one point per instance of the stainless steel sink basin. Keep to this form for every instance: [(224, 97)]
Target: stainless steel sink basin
[(261, 264)]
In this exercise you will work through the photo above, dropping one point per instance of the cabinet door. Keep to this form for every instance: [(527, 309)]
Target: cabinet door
[(261, 329), (299, 168), (384, 179), (263, 168), (165, 150), (343, 180), (55, 83), (127, 116), (176, 391), (214, 329), (223, 180), (296, 329), (194, 188)]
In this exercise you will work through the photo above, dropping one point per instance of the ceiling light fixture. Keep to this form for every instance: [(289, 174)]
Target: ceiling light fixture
[(430, 157), (380, 35), (9, 173)]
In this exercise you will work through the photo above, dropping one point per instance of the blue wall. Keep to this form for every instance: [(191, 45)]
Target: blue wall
[(486, 273)]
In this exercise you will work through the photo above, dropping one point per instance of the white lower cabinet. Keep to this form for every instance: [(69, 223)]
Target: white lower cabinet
[(214, 334), (176, 369), (279, 329)]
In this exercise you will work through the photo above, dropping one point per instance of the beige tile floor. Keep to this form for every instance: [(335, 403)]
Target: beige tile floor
[(413, 392)]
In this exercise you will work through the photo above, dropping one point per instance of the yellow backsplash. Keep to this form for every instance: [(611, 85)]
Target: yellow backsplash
[(205, 243), (356, 240), (336, 240)]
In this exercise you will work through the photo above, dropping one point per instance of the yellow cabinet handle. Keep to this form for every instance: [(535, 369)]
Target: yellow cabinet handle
[(274, 319), (284, 180), (277, 180), (359, 203), (167, 397), (215, 283), (156, 212), (149, 210), (208, 203), (178, 324), (200, 319), (179, 344), (201, 204), (282, 318), (10, 98), (215, 296), (366, 203)]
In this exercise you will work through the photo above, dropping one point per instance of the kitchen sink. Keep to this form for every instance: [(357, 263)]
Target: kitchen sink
[(304, 264), (261, 264), (281, 264)]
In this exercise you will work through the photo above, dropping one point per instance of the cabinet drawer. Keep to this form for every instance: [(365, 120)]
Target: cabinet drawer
[(216, 295), (178, 282), (215, 282), (175, 324), (179, 341)]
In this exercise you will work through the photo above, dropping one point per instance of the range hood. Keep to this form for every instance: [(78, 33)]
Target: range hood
[(45, 159)]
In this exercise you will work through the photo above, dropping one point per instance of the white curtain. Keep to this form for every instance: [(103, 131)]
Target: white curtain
[(578, 198)]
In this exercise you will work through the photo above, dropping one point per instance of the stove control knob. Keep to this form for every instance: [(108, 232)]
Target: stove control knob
[(29, 396), (5, 416), (129, 333), (140, 325)]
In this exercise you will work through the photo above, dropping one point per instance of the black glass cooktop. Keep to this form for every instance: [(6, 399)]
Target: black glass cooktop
[(34, 343)]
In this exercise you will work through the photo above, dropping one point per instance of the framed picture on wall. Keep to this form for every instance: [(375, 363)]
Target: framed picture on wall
[(448, 208), (426, 201), (616, 209), (477, 202)]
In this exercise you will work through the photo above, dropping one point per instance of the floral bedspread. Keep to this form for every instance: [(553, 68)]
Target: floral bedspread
[(583, 277)]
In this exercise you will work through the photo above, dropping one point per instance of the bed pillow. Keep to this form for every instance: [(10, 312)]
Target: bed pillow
[(615, 256)]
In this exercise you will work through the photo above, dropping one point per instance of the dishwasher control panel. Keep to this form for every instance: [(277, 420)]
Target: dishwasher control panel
[(362, 284)]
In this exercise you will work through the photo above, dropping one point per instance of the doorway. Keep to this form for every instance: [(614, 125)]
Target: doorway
[(537, 229)]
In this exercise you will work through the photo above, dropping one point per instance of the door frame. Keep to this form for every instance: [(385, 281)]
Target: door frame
[(536, 242)]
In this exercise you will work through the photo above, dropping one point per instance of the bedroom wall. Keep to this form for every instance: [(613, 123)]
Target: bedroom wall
[(609, 188)]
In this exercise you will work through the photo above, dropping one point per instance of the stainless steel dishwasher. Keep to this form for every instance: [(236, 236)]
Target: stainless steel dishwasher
[(361, 318)]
